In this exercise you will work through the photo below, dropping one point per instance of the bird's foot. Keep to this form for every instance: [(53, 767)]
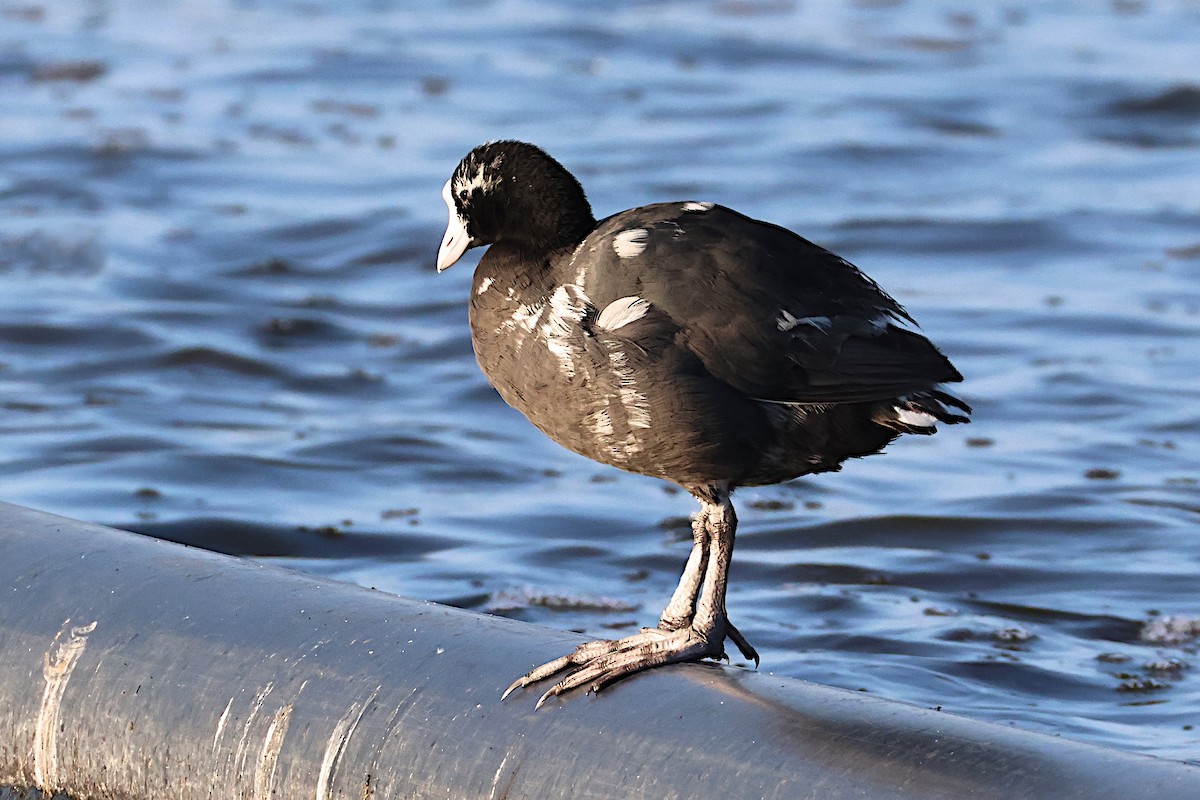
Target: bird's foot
[(600, 663), (747, 650)]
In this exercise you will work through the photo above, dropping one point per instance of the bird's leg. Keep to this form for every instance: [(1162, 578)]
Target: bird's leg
[(597, 664), (710, 620), (679, 612)]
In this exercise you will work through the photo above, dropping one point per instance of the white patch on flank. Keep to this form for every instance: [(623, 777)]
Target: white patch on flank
[(634, 402), (622, 312), (526, 317), (581, 270), (918, 419), (57, 664), (567, 307), (484, 285), (600, 423), (697, 207), (631, 243), (522, 322), (787, 321)]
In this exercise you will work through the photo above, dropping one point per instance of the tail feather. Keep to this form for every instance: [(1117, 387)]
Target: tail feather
[(919, 413)]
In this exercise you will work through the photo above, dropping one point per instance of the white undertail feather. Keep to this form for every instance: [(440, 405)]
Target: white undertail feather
[(917, 419), (921, 412)]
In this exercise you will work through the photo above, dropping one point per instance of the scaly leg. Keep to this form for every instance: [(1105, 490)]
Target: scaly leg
[(679, 612), (700, 636)]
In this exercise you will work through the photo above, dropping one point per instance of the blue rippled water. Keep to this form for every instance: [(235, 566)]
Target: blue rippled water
[(220, 322)]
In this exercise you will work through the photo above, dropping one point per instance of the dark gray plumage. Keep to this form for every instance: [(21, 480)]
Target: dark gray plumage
[(684, 341)]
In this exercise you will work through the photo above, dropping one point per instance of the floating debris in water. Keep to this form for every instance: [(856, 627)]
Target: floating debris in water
[(1102, 474), (1012, 638), (1171, 666), (360, 110), (1113, 658), (1184, 252), (1171, 630), (1139, 684), (77, 71), (772, 505), (1181, 101)]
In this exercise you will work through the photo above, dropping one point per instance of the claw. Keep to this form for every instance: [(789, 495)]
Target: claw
[(537, 674), (744, 646), (519, 683), (552, 692), (582, 654)]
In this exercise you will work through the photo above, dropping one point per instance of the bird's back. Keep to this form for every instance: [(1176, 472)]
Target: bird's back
[(766, 311)]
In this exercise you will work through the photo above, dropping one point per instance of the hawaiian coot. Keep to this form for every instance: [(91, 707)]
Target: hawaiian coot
[(684, 341)]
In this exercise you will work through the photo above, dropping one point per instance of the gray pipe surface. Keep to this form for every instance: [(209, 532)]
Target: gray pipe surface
[(135, 668)]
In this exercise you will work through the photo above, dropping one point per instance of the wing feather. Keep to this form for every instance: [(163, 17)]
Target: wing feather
[(768, 312)]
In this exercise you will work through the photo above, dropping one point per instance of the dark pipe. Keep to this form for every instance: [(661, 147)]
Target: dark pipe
[(135, 668)]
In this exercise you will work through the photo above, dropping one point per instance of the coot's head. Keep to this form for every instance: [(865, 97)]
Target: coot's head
[(515, 193)]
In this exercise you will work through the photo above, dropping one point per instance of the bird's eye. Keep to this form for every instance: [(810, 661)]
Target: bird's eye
[(462, 195)]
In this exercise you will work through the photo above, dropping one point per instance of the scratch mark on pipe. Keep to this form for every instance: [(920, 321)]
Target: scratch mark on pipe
[(373, 767), (496, 779), (239, 759), (57, 665), (268, 759), (337, 745), (221, 725)]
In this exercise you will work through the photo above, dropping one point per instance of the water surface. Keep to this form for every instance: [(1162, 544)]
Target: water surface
[(221, 325)]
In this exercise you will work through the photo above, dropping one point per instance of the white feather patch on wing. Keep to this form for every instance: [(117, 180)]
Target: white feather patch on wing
[(622, 311), (630, 243), (695, 207)]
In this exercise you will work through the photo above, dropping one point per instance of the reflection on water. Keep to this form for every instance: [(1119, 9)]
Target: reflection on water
[(221, 323)]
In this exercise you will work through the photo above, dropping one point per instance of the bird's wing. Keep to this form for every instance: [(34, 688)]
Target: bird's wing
[(767, 312)]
